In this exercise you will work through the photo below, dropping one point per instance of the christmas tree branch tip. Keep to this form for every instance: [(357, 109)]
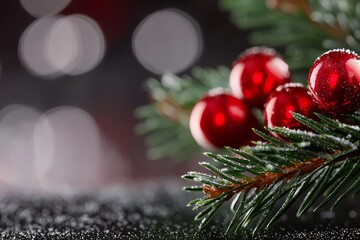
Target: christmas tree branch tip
[(265, 180)]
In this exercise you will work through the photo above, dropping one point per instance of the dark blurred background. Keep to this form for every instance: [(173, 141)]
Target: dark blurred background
[(72, 73)]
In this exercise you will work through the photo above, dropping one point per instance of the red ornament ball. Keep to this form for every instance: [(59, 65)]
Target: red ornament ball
[(220, 119), (256, 73), (291, 97), (334, 81)]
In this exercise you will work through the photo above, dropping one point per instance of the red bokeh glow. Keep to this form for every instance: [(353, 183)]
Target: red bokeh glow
[(113, 16)]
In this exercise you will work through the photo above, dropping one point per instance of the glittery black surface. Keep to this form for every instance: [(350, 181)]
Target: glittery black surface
[(150, 211)]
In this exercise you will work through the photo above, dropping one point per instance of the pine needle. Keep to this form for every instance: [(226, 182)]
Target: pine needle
[(328, 170)]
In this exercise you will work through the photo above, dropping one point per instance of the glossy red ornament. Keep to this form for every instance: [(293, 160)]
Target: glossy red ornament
[(220, 119), (291, 97), (257, 73), (334, 81)]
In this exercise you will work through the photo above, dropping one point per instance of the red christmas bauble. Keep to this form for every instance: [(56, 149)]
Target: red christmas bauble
[(256, 73), (220, 119), (334, 81), (291, 97)]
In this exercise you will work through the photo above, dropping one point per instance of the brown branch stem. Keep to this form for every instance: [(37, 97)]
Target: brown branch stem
[(268, 178)]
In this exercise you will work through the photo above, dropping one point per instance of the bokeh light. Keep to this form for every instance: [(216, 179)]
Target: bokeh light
[(31, 48), (68, 149), (56, 151), (75, 44), (92, 44), (16, 146), (62, 45), (39, 8), (167, 41), (54, 46)]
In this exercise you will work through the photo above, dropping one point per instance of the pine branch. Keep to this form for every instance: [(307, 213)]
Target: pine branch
[(323, 163), (302, 28), (165, 121)]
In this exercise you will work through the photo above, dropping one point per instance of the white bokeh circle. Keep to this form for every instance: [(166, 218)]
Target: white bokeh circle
[(167, 41), (31, 48), (53, 46), (40, 8), (75, 44)]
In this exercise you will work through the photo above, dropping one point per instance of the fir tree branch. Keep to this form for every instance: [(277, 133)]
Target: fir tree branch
[(258, 177), (305, 8), (266, 178), (165, 121), (303, 29)]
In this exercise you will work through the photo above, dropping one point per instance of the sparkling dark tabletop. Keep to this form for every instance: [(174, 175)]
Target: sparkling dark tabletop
[(154, 210)]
